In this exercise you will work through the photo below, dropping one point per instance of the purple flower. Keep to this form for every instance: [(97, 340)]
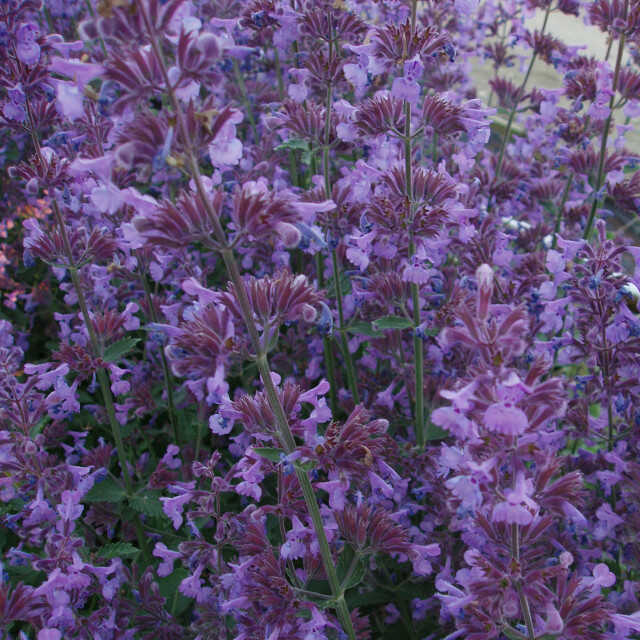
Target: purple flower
[(404, 89), (173, 508), (503, 417), (602, 576), (167, 556), (518, 508), (27, 49), (226, 149)]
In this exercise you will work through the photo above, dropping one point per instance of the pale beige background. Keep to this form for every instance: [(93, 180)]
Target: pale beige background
[(573, 32)]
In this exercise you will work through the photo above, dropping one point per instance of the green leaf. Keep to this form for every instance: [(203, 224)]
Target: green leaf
[(39, 426), (24, 573), (118, 349), (15, 505), (270, 453), (118, 550), (297, 144), (392, 322), (349, 562), (512, 633), (306, 466), (149, 505), (434, 432), (364, 329), (357, 575), (176, 603), (106, 491), (294, 144), (345, 285), (368, 598)]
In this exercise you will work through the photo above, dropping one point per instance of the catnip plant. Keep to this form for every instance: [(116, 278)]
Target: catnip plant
[(320, 320)]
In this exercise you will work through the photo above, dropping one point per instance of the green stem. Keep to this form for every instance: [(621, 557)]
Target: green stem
[(92, 13), (326, 166), (245, 98), (95, 346), (327, 347), (563, 201), (512, 114), (605, 137), (282, 423), (351, 372), (293, 168), (418, 348), (524, 602), (168, 379), (518, 97)]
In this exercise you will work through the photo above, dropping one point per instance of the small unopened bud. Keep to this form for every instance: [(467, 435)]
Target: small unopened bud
[(554, 623), (309, 314), (290, 235), (631, 295), (484, 278), (32, 187), (566, 559), (90, 93), (325, 320), (510, 606), (174, 162)]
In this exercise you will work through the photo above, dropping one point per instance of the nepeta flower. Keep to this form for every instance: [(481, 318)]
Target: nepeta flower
[(380, 115), (274, 300), (396, 44), (518, 508), (180, 224), (28, 49), (503, 417)]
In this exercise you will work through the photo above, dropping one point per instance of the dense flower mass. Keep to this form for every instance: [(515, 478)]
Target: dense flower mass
[(320, 320)]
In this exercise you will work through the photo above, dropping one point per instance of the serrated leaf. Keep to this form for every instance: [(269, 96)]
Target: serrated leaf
[(149, 505), (118, 349), (118, 550), (270, 453), (392, 322), (364, 329), (15, 505), (106, 491), (24, 573)]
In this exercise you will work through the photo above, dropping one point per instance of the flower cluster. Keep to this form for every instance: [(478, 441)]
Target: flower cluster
[(312, 330)]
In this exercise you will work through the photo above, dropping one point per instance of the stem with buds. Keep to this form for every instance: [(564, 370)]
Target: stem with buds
[(418, 353), (335, 262), (518, 97), (524, 602), (284, 430), (605, 136), (101, 374)]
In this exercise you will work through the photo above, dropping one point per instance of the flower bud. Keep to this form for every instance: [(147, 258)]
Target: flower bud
[(484, 277)]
